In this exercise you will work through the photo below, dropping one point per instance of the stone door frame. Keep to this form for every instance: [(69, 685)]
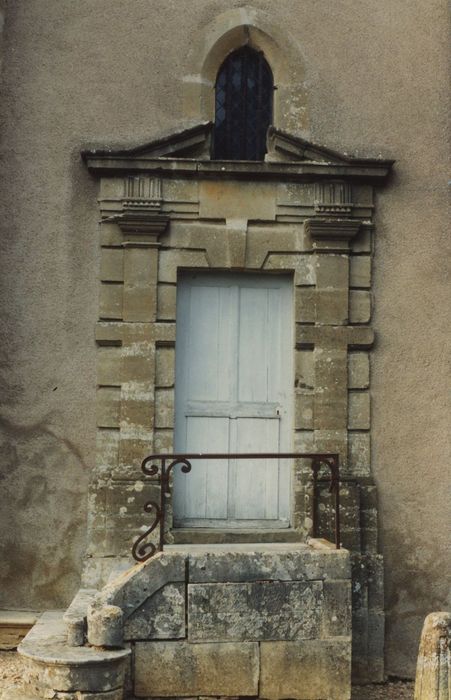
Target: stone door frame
[(307, 211)]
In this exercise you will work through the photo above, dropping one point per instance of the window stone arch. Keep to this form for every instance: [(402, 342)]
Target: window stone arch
[(243, 106), (230, 31)]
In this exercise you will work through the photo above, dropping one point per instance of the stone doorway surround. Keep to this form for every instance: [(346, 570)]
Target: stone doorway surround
[(166, 207)]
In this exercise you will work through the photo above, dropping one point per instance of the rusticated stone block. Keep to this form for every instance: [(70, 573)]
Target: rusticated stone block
[(270, 562), (108, 407), (166, 304), (307, 670), (140, 279), (359, 306), (170, 260), (336, 620), (332, 272), (168, 669), (165, 367), (112, 265), (360, 271), (164, 408), (110, 301), (254, 611), (109, 365), (305, 305), (358, 370), (303, 411), (331, 307), (359, 410), (359, 454), (161, 616), (240, 200), (262, 240), (305, 370), (303, 266)]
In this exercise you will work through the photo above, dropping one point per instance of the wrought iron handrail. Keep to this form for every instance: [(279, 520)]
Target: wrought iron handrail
[(143, 550)]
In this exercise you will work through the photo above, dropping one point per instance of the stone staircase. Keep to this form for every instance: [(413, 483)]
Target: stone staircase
[(266, 621)]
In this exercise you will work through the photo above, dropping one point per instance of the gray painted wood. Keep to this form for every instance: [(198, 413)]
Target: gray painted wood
[(234, 381)]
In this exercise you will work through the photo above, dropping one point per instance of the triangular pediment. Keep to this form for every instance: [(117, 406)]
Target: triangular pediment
[(193, 142), (283, 146), (189, 151)]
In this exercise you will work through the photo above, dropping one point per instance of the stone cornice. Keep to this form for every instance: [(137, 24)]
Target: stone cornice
[(107, 165), (187, 154)]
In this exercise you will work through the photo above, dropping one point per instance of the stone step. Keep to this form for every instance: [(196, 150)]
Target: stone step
[(52, 666), (14, 625)]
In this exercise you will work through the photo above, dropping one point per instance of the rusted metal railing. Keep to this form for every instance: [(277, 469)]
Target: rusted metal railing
[(160, 466)]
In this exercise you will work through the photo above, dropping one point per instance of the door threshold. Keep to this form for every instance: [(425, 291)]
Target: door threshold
[(200, 535)]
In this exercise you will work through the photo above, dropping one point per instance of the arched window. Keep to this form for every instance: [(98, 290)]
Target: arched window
[(243, 106)]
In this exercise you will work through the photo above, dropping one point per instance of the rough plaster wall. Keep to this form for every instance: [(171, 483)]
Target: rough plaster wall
[(104, 71)]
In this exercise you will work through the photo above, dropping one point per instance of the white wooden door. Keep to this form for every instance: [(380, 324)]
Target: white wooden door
[(233, 394)]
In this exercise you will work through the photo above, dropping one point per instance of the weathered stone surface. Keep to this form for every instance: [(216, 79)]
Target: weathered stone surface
[(164, 408), (140, 278), (110, 301), (358, 370), (14, 625), (132, 588), (433, 677), (359, 410), (170, 260), (105, 625), (303, 266), (75, 616), (360, 271), (109, 366), (245, 200), (112, 265), (359, 453), (304, 370), (52, 665), (252, 562), (359, 306), (332, 272), (168, 669), (336, 614), (108, 407), (161, 616), (330, 399), (260, 242), (276, 610), (166, 304), (303, 414), (307, 670), (331, 307)]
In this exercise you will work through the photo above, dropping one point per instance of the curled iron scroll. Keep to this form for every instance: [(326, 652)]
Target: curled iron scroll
[(148, 468), (142, 550), (185, 468)]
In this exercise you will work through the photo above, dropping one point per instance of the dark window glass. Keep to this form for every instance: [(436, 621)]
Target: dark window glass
[(243, 106)]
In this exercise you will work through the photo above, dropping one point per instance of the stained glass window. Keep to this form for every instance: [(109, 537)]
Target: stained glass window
[(243, 106)]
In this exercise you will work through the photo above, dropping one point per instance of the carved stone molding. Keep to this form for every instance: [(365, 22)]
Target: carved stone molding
[(330, 234)]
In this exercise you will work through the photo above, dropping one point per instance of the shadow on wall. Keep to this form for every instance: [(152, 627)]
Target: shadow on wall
[(43, 483)]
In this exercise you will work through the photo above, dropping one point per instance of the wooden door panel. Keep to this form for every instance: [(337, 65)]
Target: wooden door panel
[(233, 394)]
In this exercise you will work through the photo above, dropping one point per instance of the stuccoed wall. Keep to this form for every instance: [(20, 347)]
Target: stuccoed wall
[(372, 80)]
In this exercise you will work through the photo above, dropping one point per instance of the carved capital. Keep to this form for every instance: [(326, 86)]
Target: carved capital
[(332, 234), (145, 222)]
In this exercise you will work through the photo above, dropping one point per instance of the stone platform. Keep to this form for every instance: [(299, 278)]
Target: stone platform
[(269, 621)]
